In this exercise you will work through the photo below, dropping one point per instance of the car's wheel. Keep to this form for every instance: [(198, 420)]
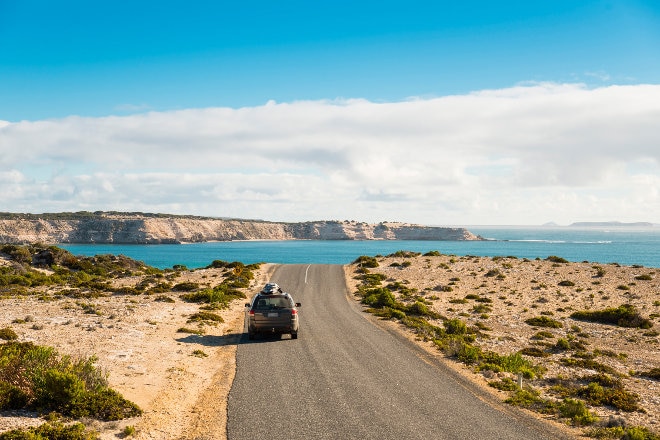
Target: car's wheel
[(250, 336), (294, 335)]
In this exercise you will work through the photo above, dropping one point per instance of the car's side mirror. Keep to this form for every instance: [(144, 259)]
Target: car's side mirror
[(247, 304), (298, 304)]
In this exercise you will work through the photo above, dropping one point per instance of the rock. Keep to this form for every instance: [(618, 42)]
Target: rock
[(101, 227)]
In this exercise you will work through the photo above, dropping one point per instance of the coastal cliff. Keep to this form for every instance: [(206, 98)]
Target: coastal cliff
[(140, 228)]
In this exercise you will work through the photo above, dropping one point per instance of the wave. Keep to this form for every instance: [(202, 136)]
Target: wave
[(532, 240)]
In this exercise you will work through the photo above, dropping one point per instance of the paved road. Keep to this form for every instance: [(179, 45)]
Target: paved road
[(346, 378)]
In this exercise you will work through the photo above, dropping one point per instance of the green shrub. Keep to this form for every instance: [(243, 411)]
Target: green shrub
[(455, 327), (185, 287), (61, 391), (542, 335), (380, 297), (555, 259), (505, 384), (544, 321), (562, 345), (617, 397), (566, 283), (389, 313), (366, 261), (404, 254), (624, 433), (588, 364), (42, 379), (644, 277), (420, 309), (530, 399), (205, 316), (653, 373), (534, 352), (8, 334), (624, 316), (191, 331), (52, 431), (12, 397), (577, 412), (372, 279), (432, 254)]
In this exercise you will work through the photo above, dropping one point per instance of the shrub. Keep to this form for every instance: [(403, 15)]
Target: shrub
[(555, 259), (542, 335), (42, 379), (432, 254), (505, 384), (624, 316), (577, 412), (455, 327), (616, 396), (372, 279), (205, 316), (530, 399), (653, 373), (61, 391), (566, 283), (185, 287), (366, 261), (534, 352), (106, 404), (544, 321), (645, 277), (12, 397), (405, 254), (55, 431), (588, 364), (379, 297), (8, 334), (420, 309), (600, 272)]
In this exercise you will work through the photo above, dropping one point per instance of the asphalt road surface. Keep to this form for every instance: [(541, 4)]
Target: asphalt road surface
[(347, 378)]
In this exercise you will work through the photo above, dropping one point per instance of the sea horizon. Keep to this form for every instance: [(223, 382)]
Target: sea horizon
[(625, 247)]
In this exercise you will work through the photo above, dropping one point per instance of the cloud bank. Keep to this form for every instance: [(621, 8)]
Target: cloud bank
[(521, 155)]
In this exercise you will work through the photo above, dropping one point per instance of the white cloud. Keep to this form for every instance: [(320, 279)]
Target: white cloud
[(525, 154)]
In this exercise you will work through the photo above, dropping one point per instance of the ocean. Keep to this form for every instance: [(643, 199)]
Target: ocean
[(626, 246)]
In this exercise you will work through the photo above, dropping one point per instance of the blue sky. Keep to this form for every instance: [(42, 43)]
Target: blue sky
[(105, 103)]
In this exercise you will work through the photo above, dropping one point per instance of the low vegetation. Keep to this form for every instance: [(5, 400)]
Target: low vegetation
[(39, 378), (623, 316), (591, 378)]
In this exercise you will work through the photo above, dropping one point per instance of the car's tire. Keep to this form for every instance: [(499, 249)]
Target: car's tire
[(250, 336), (294, 335)]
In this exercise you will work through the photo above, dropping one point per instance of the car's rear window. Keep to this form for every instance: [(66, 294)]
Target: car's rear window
[(272, 302)]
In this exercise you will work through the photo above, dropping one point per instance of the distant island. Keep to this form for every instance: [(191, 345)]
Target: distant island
[(145, 228), (613, 224)]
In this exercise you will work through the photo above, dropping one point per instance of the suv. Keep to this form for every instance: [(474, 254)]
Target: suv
[(272, 311)]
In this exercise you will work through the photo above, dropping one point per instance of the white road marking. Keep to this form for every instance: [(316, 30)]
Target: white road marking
[(306, 273)]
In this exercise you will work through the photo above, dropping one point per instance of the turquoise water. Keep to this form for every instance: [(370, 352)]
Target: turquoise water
[(627, 247)]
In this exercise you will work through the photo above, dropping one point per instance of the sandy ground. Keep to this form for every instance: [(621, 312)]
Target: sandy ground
[(527, 289), (182, 380)]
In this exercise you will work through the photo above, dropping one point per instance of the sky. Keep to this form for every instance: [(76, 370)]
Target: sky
[(430, 112)]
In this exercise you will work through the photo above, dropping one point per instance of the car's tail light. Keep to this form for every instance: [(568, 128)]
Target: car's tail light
[(294, 312), (251, 312)]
